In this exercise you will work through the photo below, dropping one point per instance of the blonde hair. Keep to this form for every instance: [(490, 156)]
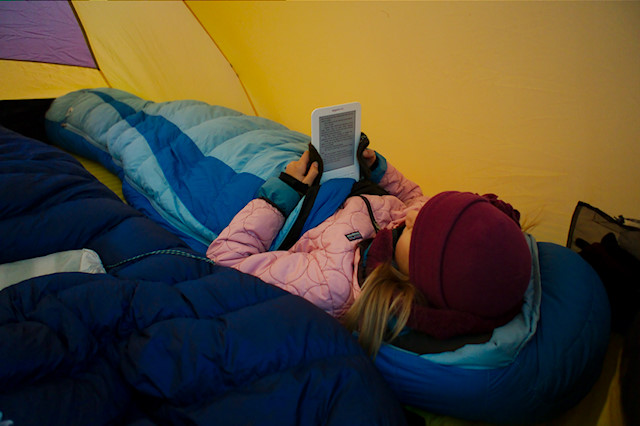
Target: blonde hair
[(386, 294)]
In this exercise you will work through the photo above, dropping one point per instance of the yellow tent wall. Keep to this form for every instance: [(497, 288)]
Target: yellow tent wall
[(538, 102), (535, 101), (157, 50)]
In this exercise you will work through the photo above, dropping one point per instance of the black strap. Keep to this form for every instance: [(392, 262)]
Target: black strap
[(305, 210), (365, 171), (314, 155), (376, 227), (365, 185), (295, 184)]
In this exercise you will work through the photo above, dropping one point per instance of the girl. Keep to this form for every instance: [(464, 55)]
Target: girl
[(453, 265)]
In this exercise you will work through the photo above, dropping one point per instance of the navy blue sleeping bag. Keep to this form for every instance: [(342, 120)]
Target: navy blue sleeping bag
[(165, 338)]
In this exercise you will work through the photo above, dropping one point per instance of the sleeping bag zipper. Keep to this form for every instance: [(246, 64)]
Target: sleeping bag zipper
[(71, 128)]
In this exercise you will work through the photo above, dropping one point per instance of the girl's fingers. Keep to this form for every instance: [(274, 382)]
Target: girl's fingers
[(369, 156), (311, 175)]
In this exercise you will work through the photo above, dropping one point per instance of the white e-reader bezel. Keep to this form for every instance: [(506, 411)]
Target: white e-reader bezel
[(349, 171)]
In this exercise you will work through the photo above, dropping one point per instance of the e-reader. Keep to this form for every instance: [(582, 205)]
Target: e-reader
[(335, 132)]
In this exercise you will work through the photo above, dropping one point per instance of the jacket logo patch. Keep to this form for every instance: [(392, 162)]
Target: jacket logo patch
[(353, 236)]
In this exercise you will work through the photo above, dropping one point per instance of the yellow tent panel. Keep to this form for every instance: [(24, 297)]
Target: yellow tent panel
[(535, 101), (159, 51), (30, 80)]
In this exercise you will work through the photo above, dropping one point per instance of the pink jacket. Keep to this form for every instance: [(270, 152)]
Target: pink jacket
[(322, 265)]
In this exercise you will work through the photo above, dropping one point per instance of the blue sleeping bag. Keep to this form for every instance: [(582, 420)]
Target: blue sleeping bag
[(551, 373), (164, 338), (188, 165)]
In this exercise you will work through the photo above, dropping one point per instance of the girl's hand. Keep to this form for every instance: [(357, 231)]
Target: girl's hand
[(298, 169), (369, 156)]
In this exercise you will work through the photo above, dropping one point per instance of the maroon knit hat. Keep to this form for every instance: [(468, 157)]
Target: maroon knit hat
[(472, 263)]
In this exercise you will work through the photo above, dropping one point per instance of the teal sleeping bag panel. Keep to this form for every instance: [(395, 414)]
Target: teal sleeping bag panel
[(189, 165)]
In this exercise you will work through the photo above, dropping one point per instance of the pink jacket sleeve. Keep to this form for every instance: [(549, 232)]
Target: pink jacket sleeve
[(307, 273), (250, 232)]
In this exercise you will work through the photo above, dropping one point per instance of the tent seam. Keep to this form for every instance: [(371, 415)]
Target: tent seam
[(246, 92)]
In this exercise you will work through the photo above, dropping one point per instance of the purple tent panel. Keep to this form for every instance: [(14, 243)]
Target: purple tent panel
[(42, 31)]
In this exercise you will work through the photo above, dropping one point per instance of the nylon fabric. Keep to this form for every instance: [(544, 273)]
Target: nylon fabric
[(43, 33), (196, 165)]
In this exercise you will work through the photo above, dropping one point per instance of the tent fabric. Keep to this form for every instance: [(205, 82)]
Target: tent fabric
[(48, 33), (165, 58), (535, 101), (43, 51), (168, 57)]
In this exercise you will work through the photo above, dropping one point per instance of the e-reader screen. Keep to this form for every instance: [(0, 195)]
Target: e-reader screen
[(335, 133)]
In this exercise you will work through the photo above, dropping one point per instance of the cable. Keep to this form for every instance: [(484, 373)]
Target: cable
[(173, 252)]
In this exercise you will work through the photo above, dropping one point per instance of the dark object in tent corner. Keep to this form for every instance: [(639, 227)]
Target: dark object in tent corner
[(25, 116), (611, 246)]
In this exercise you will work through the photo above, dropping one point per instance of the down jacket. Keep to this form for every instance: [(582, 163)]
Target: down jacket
[(322, 265)]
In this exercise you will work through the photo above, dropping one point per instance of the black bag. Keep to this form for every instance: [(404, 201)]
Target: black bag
[(612, 247)]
